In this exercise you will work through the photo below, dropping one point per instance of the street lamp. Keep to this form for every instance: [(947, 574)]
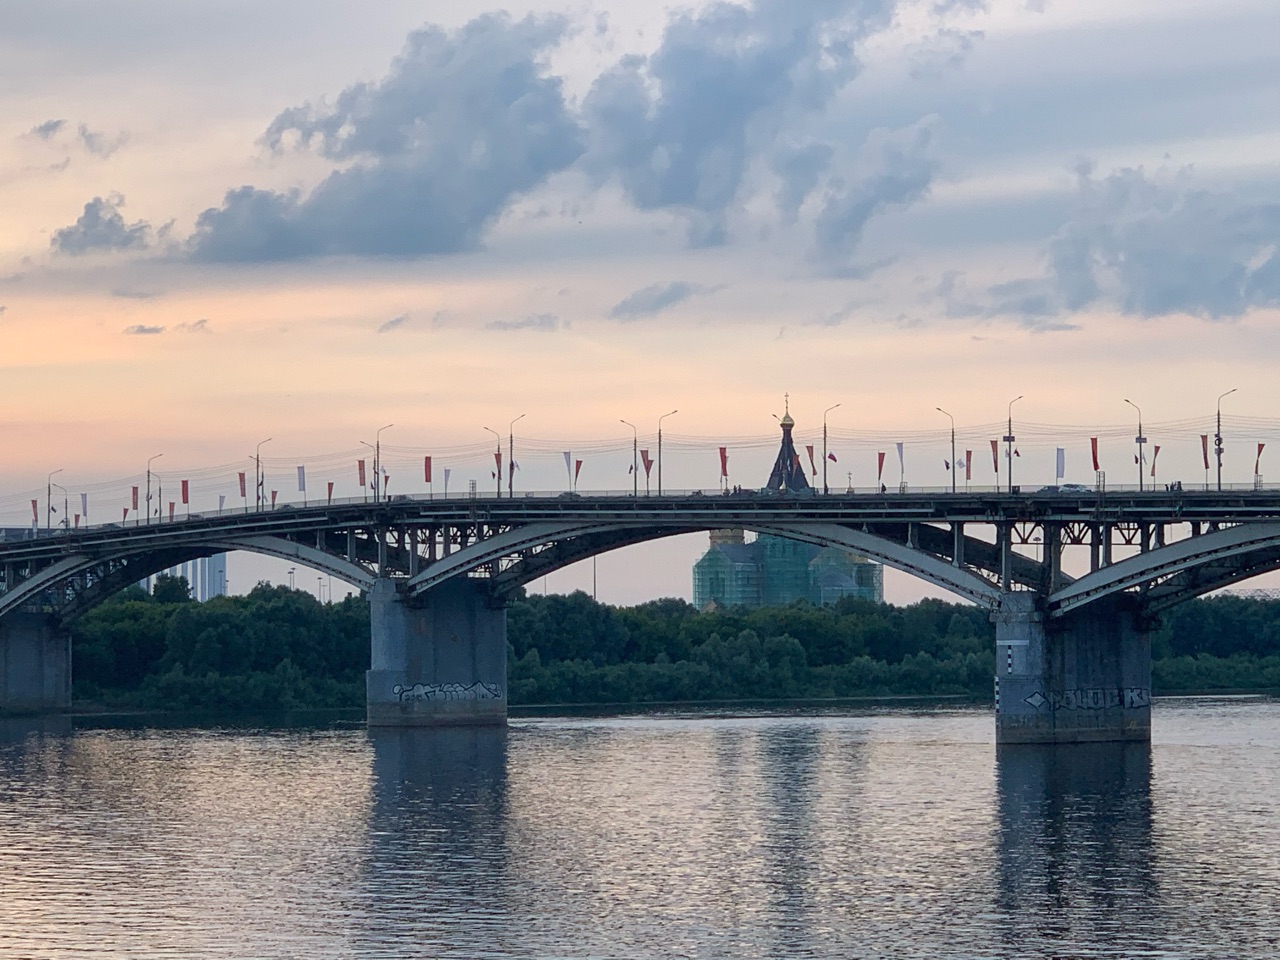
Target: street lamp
[(635, 470), (1139, 440), (48, 499), (66, 520), (156, 457), (511, 453), (953, 445), (257, 474), (377, 462), (1217, 438), (497, 460), (824, 447), (1008, 441), (292, 571), (660, 419)]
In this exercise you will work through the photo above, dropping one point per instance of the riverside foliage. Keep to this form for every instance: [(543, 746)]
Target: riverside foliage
[(281, 648)]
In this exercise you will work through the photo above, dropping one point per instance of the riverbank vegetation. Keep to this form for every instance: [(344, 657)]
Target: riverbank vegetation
[(281, 648)]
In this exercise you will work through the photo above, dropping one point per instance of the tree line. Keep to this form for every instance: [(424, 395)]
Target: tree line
[(276, 647)]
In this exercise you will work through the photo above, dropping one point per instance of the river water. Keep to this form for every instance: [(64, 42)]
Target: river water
[(892, 833)]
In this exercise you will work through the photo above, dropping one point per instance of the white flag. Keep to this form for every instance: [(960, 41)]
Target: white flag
[(568, 465), (302, 479), (222, 500), (901, 463), (1062, 464)]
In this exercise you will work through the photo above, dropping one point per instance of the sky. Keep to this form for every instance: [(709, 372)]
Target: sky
[(224, 221)]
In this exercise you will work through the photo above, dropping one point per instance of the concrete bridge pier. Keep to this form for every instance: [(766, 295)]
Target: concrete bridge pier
[(438, 660), (35, 665), (1082, 678)]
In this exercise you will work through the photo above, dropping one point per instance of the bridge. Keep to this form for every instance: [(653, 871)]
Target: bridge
[(1074, 581)]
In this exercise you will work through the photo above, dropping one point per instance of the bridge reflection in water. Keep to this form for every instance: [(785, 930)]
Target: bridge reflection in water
[(1072, 651)]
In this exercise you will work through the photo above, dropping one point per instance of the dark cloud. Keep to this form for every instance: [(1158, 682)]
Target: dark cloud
[(142, 330), (678, 129), (100, 144), (101, 228), (429, 156), (48, 130), (653, 299), (195, 326), (900, 169), (394, 323), (544, 322), (1151, 248)]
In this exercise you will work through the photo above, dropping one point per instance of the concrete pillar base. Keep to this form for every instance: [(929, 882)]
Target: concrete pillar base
[(1084, 678), (35, 665), (440, 663)]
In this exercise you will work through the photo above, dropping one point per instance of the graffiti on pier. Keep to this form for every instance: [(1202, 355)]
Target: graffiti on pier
[(1097, 698), (448, 691)]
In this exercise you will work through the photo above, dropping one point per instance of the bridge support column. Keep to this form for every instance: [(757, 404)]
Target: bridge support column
[(1083, 678), (35, 665), (437, 661)]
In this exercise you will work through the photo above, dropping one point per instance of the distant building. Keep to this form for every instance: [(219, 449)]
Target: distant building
[(772, 571)]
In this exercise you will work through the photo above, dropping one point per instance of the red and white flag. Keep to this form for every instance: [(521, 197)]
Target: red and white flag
[(242, 490), (1093, 443), (724, 462), (879, 465), (35, 510), (172, 505), (1155, 453), (331, 491), (273, 499), (995, 456), (124, 515), (186, 492), (1204, 446), (648, 464), (360, 473), (577, 469), (813, 469), (77, 521), (1257, 462)]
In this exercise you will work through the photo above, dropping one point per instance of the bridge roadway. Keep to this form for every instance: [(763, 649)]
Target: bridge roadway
[(1073, 651)]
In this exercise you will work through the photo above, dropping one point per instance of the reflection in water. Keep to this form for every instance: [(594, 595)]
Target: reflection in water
[(436, 851), (1075, 845)]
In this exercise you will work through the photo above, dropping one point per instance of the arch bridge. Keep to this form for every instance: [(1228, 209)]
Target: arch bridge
[(1074, 581)]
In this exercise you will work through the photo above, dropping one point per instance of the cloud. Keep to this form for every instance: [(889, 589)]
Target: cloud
[(3, 309), (653, 299), (394, 323), (425, 159), (99, 144), (194, 326), (899, 168), (47, 130), (679, 129), (143, 330), (544, 322), (129, 293), (101, 228)]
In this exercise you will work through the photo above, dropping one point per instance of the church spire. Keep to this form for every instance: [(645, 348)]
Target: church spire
[(788, 474)]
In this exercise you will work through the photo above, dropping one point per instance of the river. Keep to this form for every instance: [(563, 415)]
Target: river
[(856, 833)]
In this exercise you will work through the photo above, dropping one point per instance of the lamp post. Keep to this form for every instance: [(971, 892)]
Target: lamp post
[(635, 463), (497, 460), (156, 457), (824, 447), (1139, 440), (48, 499), (1008, 441), (66, 503), (292, 571), (953, 445), (660, 419), (257, 474), (1217, 437), (377, 463), (511, 454)]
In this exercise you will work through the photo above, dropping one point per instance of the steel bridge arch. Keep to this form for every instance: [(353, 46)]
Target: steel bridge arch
[(1190, 567)]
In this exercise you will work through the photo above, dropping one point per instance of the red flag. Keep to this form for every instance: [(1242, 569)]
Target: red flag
[(577, 468), (648, 464), (832, 458), (1154, 454), (995, 456), (273, 500), (171, 506), (360, 473), (77, 521), (968, 464), (135, 499), (497, 458), (724, 462), (35, 510), (879, 465), (185, 492), (331, 491), (242, 491), (1204, 445), (813, 469), (1093, 442), (426, 469), (125, 515), (1257, 463)]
